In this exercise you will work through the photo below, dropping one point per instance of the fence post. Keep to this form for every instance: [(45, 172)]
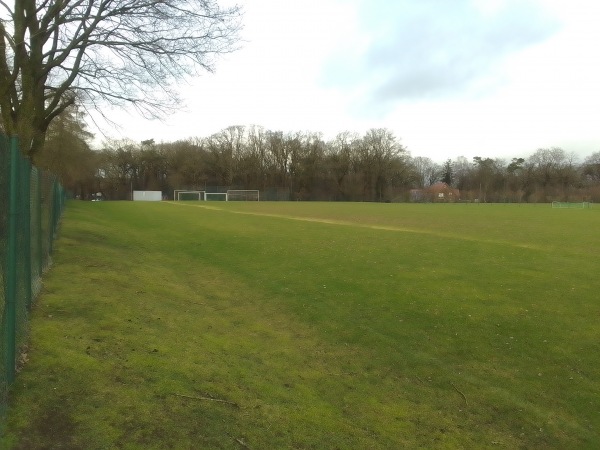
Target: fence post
[(52, 230), (10, 311), (39, 223), (25, 199)]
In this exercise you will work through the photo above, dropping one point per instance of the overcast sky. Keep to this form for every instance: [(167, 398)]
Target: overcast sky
[(494, 78)]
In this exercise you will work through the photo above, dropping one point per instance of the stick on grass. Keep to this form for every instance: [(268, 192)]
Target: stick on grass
[(461, 394), (219, 400)]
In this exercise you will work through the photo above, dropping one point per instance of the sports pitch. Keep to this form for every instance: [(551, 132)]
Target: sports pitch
[(315, 325)]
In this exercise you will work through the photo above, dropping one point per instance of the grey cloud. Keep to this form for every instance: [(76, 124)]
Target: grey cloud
[(433, 48)]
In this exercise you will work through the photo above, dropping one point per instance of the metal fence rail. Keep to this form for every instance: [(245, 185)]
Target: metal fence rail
[(31, 203)]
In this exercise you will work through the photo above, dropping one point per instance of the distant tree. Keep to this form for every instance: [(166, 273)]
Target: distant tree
[(515, 165), (118, 169), (256, 161), (55, 53), (377, 151), (225, 149), (590, 174), (447, 172), (554, 173), (67, 153), (151, 167), (516, 179), (340, 158), (425, 171), (462, 170), (591, 167), (487, 172), (308, 160), (187, 163), (279, 153)]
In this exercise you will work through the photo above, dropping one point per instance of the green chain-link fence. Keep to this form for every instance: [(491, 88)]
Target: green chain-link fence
[(31, 203)]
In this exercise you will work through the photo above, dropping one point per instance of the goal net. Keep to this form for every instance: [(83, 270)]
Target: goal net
[(180, 195), (242, 195), (231, 195), (215, 196), (572, 205)]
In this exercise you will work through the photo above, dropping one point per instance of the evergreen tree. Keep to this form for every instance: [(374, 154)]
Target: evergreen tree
[(447, 174)]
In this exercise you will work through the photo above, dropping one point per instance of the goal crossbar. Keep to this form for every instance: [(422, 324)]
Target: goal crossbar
[(178, 195), (243, 195)]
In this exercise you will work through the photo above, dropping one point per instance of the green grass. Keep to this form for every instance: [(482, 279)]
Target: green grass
[(315, 325)]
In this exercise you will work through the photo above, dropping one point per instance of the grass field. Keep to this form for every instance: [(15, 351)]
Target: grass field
[(314, 326)]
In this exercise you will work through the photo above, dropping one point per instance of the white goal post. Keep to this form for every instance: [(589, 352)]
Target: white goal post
[(244, 195), (181, 194), (572, 205)]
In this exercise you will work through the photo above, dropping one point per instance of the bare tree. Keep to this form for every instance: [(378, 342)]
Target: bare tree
[(226, 148), (591, 168), (425, 171), (462, 170), (56, 52), (340, 156), (377, 151)]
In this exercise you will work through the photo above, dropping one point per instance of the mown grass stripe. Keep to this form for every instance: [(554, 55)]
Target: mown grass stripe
[(359, 225)]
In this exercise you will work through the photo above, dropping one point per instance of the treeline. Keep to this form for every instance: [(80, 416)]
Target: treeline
[(304, 166)]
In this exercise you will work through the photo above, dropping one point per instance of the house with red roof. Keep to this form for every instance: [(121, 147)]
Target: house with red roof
[(439, 192)]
